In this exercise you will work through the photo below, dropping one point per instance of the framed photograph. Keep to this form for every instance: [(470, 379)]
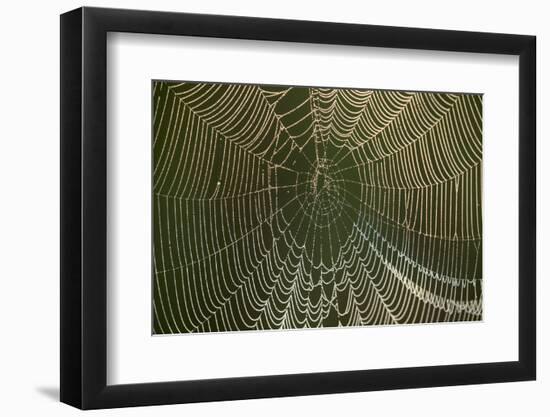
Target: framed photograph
[(257, 208)]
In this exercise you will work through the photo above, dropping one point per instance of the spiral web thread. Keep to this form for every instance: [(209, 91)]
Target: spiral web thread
[(296, 207)]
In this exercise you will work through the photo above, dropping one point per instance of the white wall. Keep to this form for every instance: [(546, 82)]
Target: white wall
[(29, 237)]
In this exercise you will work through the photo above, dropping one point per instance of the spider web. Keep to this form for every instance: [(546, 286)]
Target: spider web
[(294, 207)]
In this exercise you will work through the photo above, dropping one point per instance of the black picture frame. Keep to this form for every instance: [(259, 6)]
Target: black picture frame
[(84, 208)]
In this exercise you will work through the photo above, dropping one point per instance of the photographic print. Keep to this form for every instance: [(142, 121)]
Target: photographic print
[(290, 207)]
